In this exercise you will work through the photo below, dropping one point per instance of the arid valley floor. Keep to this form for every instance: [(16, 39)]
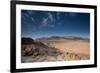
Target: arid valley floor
[(54, 50)]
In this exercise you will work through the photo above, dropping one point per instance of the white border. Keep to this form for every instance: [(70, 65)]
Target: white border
[(20, 65)]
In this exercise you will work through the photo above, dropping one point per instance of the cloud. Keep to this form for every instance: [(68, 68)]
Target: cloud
[(50, 16), (30, 12), (44, 22), (25, 14), (58, 15), (33, 20), (26, 17)]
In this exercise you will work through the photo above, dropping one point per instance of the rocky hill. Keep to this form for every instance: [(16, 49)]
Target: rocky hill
[(34, 48)]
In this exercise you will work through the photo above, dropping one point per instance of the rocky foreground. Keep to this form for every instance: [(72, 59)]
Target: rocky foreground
[(35, 51)]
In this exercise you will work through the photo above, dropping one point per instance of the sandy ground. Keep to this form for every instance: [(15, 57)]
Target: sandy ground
[(72, 46), (71, 50)]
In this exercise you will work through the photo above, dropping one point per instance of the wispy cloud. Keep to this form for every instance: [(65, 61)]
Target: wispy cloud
[(50, 16), (30, 12), (33, 20), (25, 16), (58, 15), (44, 22)]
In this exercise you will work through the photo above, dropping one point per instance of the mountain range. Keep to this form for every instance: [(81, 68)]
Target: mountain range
[(61, 38)]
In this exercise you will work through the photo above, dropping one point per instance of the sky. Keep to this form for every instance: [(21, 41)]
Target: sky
[(36, 24)]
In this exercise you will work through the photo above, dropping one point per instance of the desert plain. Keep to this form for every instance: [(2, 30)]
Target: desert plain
[(54, 50)]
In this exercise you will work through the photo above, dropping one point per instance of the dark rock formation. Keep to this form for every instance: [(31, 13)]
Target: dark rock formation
[(34, 48)]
